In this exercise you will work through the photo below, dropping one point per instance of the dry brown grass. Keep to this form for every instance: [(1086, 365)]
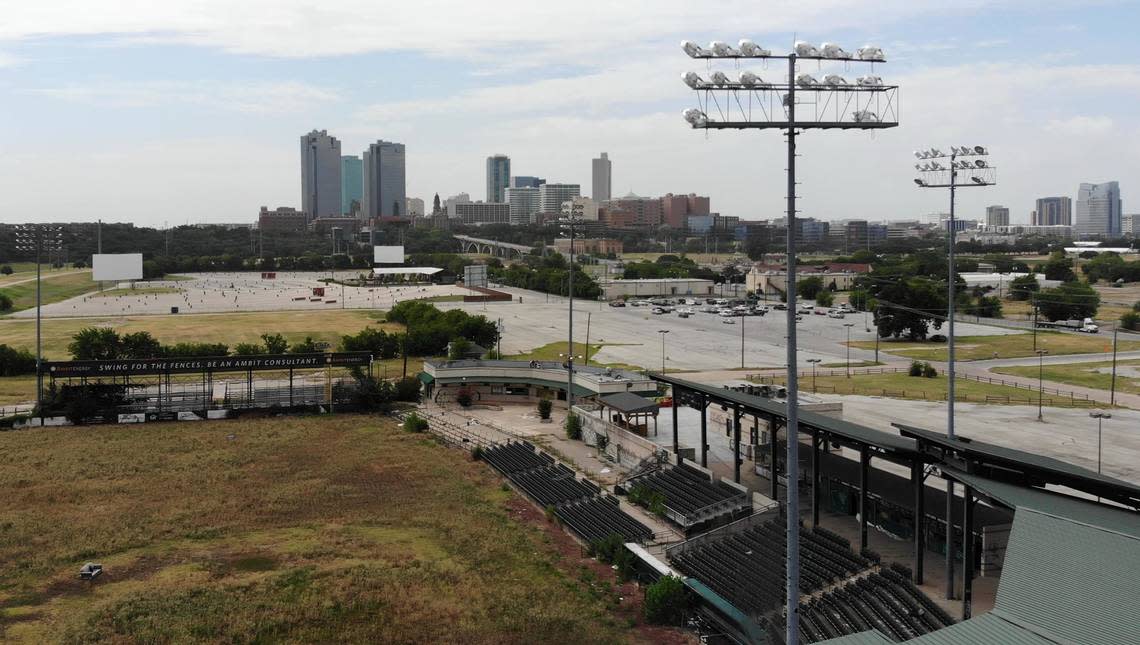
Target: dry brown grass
[(282, 529)]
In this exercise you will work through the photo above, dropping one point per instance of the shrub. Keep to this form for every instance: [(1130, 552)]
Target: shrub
[(544, 408), (248, 349), (14, 362), (824, 298), (550, 516), (928, 370), (464, 397), (647, 498), (414, 423), (915, 368), (607, 549), (573, 427), (6, 269), (477, 453), (601, 441), (1130, 321), (666, 601), (408, 389), (5, 302), (307, 346), (275, 343)]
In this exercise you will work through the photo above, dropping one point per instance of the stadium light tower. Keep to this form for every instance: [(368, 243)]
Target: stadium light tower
[(36, 238), (934, 173), (750, 102), (567, 224)]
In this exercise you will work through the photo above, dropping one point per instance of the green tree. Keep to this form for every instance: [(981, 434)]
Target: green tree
[(307, 346), (15, 362), (248, 349), (275, 343), (573, 427), (1069, 301), (1059, 267), (6, 269), (666, 601), (544, 408), (907, 307), (94, 344), (458, 348), (1024, 287), (139, 344), (809, 288), (5, 302), (824, 298)]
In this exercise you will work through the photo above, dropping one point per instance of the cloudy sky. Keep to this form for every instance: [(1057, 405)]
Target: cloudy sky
[(191, 110)]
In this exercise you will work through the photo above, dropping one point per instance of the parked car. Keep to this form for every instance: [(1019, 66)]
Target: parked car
[(617, 303), (846, 308), (820, 311), (729, 321), (779, 306), (806, 307), (836, 313), (708, 309), (938, 338), (727, 313), (657, 311)]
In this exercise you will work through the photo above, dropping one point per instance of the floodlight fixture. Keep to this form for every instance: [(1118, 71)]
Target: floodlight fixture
[(980, 163), (805, 49), (752, 50), (865, 116), (695, 117), (748, 79), (919, 154), (869, 81), (693, 49), (981, 150), (920, 182), (831, 50), (720, 79), (871, 53), (722, 49), (834, 80), (806, 80), (978, 180), (693, 80)]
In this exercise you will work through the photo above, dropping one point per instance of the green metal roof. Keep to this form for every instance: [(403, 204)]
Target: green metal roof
[(1070, 581), (885, 441), (1027, 463), (629, 403), (869, 637), (1119, 519), (747, 626), (984, 629)]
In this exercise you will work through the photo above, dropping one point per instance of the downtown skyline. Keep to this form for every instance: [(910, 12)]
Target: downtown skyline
[(169, 115)]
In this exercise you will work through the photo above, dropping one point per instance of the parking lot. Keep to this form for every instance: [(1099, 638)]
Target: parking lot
[(703, 341)]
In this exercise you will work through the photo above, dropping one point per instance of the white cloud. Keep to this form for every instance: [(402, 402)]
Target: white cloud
[(8, 60), (593, 28), (258, 98), (1081, 125)]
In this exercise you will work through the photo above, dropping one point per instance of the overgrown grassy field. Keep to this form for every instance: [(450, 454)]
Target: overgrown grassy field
[(54, 287), (1095, 375), (917, 388), (229, 328), (974, 348), (331, 529)]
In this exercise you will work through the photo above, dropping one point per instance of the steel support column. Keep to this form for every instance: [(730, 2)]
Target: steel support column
[(967, 552), (736, 414), (704, 431), (949, 539), (773, 450), (815, 478), (676, 440), (864, 463), (916, 477)]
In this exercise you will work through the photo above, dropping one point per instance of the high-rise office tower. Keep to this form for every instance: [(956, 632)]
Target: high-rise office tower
[(524, 204), (997, 216), (498, 178), (1053, 211), (320, 174), (384, 180), (351, 184), (1099, 209), (603, 178), (551, 196), (524, 181)]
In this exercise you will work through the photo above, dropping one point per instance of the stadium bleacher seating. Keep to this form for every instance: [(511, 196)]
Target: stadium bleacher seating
[(690, 496), (578, 503)]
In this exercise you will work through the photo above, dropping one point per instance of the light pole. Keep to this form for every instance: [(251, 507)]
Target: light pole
[(935, 174), (1040, 384), (741, 341), (1100, 416), (662, 332), (37, 238), (814, 362), (568, 223), (754, 103), (848, 326), (878, 319)]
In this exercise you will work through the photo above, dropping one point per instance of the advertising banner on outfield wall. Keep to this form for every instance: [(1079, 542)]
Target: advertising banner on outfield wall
[(259, 362)]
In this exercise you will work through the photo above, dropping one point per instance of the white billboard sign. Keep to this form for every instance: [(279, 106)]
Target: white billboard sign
[(388, 254), (114, 267)]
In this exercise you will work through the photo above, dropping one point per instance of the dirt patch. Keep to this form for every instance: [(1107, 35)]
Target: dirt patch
[(626, 599)]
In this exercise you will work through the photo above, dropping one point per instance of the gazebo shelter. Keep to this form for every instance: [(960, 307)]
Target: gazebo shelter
[(630, 411)]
